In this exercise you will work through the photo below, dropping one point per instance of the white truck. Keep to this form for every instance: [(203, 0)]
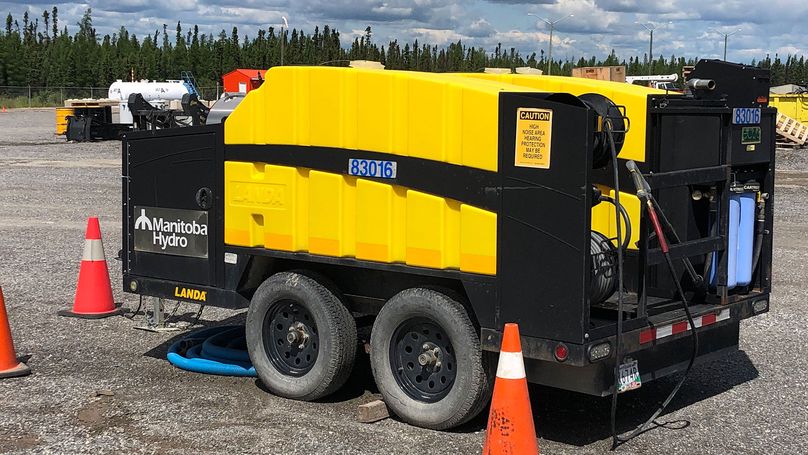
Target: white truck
[(658, 81)]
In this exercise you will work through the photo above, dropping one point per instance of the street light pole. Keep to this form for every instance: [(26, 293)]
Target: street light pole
[(651, 53), (650, 26), (550, 53), (550, 46), (726, 37)]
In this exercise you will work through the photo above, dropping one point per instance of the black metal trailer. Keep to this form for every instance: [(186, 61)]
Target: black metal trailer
[(699, 152)]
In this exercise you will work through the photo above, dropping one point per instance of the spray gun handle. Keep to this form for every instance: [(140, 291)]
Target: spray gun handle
[(639, 181)]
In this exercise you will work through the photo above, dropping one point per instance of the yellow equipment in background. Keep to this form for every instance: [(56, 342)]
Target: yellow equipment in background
[(793, 105), (61, 119)]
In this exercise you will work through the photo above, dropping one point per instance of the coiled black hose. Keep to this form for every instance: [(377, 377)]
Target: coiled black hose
[(604, 268), (624, 215)]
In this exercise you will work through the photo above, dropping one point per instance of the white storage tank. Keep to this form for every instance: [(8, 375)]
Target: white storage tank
[(158, 94)]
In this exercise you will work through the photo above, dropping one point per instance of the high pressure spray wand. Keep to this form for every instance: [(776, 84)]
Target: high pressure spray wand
[(645, 195), (654, 215)]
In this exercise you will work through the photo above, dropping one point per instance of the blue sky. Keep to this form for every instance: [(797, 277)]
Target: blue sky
[(692, 28)]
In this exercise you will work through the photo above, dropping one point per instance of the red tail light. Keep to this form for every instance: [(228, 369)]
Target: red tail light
[(561, 352)]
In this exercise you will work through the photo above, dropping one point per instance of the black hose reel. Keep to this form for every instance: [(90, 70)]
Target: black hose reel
[(603, 280), (610, 115)]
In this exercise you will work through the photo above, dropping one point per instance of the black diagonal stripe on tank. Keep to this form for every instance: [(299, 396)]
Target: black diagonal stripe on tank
[(475, 187)]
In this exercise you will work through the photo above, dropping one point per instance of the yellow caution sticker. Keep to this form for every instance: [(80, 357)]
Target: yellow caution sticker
[(533, 133)]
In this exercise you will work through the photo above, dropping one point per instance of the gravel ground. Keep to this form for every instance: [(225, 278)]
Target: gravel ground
[(754, 401)]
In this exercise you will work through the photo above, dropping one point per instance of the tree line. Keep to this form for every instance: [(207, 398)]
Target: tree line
[(40, 51)]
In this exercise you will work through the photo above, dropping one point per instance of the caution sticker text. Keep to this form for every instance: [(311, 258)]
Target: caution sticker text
[(533, 131)]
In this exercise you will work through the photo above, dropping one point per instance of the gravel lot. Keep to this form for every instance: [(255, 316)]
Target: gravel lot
[(754, 401)]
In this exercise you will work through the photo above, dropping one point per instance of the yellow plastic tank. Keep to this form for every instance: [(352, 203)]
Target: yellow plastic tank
[(437, 117), (303, 210), (633, 97)]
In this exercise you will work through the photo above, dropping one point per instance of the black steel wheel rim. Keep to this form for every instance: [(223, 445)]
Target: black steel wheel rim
[(290, 338), (422, 359)]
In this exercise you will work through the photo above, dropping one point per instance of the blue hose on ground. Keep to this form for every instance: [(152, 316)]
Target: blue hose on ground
[(216, 350)]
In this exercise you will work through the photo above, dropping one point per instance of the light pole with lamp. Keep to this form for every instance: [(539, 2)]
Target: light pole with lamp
[(650, 26), (550, 50), (726, 38)]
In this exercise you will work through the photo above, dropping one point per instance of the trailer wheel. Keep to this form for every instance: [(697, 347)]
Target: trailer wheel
[(427, 361), (300, 336)]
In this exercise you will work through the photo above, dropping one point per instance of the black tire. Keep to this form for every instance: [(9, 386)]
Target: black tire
[(450, 330), (325, 347)]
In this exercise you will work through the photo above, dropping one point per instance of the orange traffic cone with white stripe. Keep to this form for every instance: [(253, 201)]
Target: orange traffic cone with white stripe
[(10, 367), (93, 292), (510, 423)]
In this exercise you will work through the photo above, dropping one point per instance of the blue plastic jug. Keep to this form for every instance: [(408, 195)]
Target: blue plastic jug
[(732, 247), (741, 241), (746, 238)]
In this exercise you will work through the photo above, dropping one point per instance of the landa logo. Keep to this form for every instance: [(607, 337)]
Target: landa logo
[(169, 233), (193, 294)]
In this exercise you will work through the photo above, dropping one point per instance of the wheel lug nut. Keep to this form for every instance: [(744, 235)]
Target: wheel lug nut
[(427, 358), (297, 335)]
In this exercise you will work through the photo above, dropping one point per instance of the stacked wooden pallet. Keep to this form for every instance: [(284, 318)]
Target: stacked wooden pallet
[(90, 102), (791, 130)]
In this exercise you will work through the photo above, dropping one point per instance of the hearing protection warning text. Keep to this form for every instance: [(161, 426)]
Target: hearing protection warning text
[(533, 130)]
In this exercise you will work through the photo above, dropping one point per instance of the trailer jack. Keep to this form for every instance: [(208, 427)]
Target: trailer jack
[(157, 321)]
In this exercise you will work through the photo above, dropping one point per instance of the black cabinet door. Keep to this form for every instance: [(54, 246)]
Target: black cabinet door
[(173, 204)]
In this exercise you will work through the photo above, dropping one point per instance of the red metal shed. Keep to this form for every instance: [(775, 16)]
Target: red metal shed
[(243, 80)]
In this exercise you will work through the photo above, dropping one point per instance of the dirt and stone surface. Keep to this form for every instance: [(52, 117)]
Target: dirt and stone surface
[(101, 387)]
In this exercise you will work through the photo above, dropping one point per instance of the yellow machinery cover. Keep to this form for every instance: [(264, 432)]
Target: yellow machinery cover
[(295, 209), (633, 97), (429, 116), (451, 118), (437, 117)]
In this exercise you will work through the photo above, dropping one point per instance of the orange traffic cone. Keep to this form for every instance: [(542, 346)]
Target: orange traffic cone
[(93, 292), (10, 367), (510, 423), (4, 108)]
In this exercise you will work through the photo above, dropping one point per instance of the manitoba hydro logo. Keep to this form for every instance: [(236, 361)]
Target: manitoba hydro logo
[(171, 231)]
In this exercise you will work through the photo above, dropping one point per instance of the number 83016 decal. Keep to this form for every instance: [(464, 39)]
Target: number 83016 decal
[(372, 168)]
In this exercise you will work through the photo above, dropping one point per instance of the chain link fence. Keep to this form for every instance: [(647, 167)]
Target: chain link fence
[(30, 96)]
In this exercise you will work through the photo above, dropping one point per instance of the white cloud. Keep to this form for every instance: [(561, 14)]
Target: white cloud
[(790, 50), (439, 37), (253, 16), (480, 28), (777, 26)]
